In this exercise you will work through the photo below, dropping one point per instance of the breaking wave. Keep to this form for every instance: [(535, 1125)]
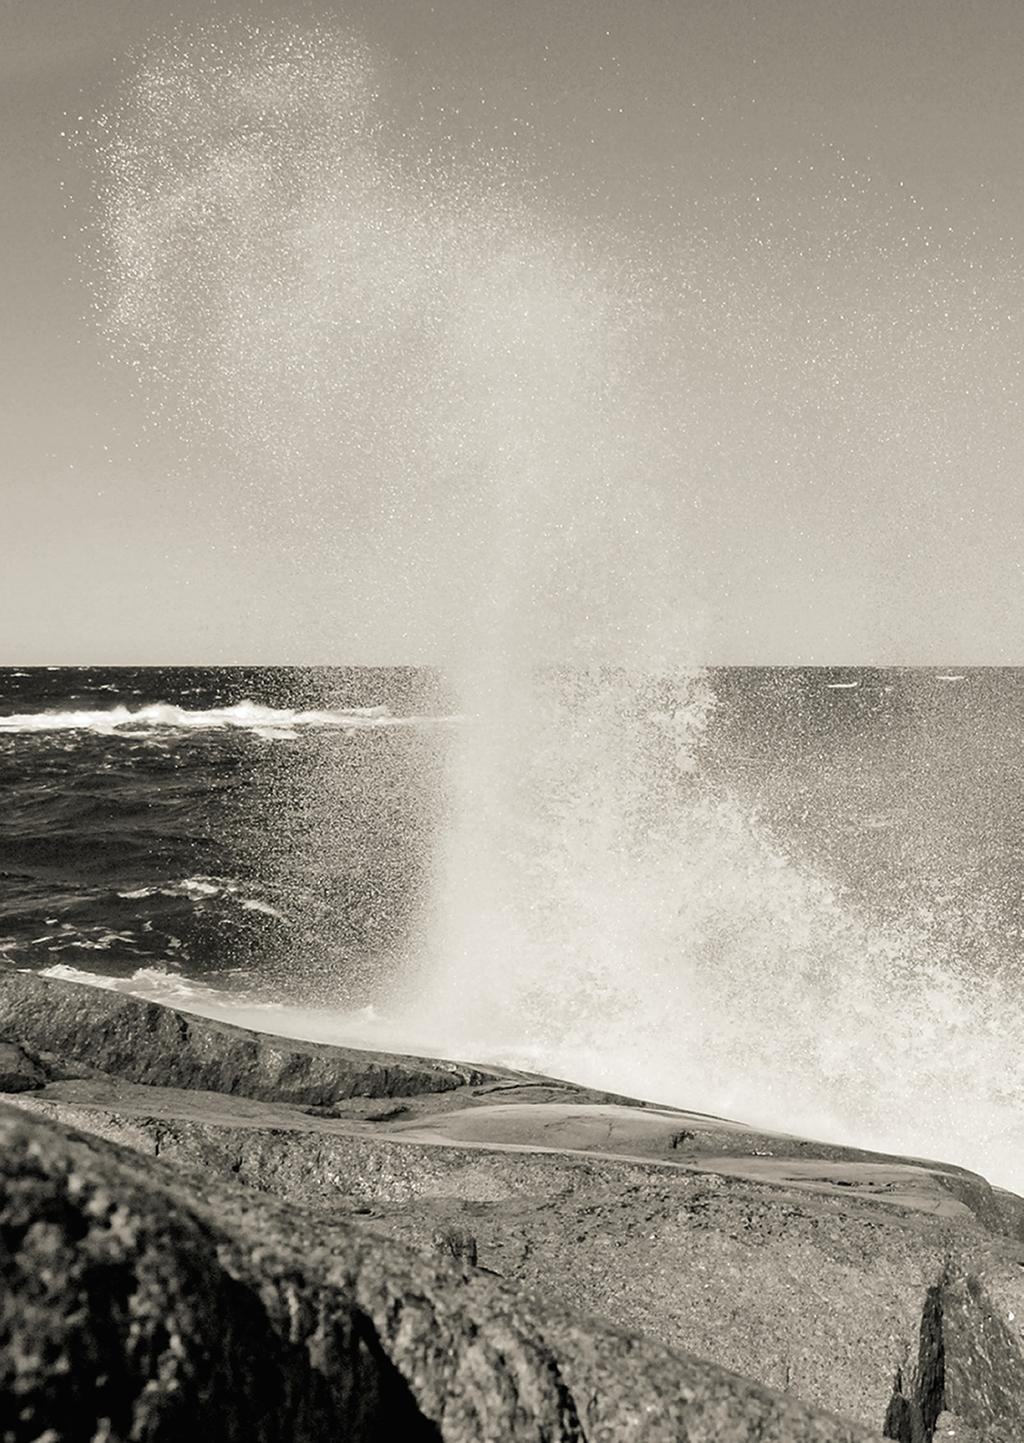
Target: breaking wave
[(265, 721), (355, 1027), (155, 984)]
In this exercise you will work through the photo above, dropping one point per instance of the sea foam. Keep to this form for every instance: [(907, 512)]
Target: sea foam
[(264, 721)]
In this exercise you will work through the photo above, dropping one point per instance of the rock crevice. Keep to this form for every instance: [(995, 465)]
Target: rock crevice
[(969, 1367)]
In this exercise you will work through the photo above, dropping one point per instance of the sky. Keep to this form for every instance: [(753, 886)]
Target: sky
[(383, 331)]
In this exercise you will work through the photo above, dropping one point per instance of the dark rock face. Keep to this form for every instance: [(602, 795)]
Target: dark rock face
[(141, 1306), (123, 1316), (969, 1367), (18, 1072), (142, 1042)]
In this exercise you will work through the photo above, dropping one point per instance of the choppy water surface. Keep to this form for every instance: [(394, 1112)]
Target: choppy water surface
[(211, 823)]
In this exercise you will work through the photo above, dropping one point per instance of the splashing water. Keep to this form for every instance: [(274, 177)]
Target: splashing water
[(452, 389), (609, 913)]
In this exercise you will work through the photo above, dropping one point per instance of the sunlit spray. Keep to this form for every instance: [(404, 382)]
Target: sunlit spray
[(445, 393)]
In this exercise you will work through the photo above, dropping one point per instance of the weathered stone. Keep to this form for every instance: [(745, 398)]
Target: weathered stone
[(881, 1289), (456, 1243), (145, 1306), (126, 1316), (18, 1071), (110, 1032), (951, 1429), (818, 1295), (970, 1363)]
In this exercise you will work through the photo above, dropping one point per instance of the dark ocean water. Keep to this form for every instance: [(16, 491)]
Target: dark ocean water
[(217, 823)]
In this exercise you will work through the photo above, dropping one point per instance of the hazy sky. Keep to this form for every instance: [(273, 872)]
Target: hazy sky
[(688, 320)]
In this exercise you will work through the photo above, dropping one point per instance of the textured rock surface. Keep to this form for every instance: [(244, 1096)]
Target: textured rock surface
[(102, 1031), (18, 1072), (816, 1293), (138, 1304), (967, 1380), (882, 1289)]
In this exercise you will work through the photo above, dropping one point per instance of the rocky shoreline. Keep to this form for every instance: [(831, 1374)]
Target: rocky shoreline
[(208, 1229)]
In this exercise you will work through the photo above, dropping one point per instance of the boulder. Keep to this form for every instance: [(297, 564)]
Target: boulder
[(816, 1293)]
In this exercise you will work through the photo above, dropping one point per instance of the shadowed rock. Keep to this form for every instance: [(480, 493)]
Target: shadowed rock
[(18, 1072)]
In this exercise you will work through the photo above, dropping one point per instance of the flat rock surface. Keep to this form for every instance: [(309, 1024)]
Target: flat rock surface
[(647, 1135)]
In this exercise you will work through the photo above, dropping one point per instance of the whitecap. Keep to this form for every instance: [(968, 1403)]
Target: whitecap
[(199, 887), (267, 721), (155, 984), (251, 905)]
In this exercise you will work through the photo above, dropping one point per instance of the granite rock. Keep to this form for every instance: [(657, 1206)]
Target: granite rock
[(140, 1304), (18, 1071), (879, 1289)]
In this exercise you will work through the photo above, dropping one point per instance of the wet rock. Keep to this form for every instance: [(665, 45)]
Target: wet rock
[(143, 1042)]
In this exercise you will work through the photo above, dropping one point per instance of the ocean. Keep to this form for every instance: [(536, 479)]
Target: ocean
[(795, 895), (212, 824)]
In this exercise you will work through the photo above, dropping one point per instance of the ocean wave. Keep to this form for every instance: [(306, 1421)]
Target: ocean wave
[(202, 889), (268, 722), (355, 1027), (69, 936), (155, 984)]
